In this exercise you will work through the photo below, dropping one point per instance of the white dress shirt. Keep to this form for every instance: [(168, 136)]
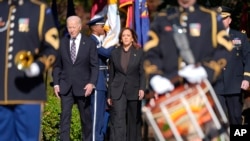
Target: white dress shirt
[(77, 42)]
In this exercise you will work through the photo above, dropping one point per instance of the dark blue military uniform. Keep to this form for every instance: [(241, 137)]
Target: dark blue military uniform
[(98, 100), (228, 86), (205, 33), (236, 74), (24, 25)]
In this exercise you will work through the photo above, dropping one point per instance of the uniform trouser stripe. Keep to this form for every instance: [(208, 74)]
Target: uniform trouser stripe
[(98, 109), (94, 116)]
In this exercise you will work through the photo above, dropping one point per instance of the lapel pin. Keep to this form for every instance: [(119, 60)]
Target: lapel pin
[(134, 54)]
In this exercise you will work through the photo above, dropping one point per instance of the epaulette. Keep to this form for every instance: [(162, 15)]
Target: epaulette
[(171, 10), (161, 11), (160, 14), (173, 14), (39, 2), (168, 10)]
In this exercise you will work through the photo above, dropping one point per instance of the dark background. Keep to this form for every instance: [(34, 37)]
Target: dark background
[(240, 8)]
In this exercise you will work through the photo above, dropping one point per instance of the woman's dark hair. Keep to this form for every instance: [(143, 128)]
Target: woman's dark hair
[(134, 36)]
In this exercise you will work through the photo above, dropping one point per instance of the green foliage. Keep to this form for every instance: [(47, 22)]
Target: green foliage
[(75, 133), (51, 118)]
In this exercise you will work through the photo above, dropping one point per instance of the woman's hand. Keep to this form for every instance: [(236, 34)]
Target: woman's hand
[(109, 101)]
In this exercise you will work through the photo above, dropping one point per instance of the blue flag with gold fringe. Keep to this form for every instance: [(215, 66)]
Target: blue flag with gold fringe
[(141, 18)]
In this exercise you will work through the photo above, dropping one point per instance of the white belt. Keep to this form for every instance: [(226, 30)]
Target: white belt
[(103, 67)]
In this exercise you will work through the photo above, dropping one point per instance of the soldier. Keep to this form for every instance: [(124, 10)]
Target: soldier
[(236, 74), (185, 46), (204, 36), (29, 42), (98, 99)]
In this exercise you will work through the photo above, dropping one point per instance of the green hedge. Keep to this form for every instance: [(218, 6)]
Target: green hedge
[(51, 118)]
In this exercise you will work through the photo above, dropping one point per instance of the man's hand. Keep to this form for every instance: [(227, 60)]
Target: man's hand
[(161, 84), (244, 85), (88, 89), (57, 91), (109, 101), (33, 70)]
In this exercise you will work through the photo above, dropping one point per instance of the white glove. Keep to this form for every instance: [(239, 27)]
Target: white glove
[(161, 84), (193, 74), (33, 70)]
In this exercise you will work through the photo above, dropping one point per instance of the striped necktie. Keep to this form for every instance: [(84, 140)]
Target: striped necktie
[(73, 50)]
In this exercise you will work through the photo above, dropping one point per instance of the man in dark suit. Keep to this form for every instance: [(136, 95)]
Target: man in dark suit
[(75, 75), (235, 75)]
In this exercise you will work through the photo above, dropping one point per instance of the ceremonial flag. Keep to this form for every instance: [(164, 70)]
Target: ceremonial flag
[(98, 6), (112, 25), (126, 6), (141, 19)]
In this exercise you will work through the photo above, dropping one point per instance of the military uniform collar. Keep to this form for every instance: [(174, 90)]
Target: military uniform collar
[(16, 2), (99, 39)]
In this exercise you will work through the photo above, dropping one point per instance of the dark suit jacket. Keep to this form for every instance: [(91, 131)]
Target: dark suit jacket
[(83, 71), (131, 81), (238, 65)]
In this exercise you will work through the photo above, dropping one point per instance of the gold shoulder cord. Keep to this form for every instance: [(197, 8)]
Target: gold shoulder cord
[(217, 38), (153, 42), (217, 66), (51, 37)]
